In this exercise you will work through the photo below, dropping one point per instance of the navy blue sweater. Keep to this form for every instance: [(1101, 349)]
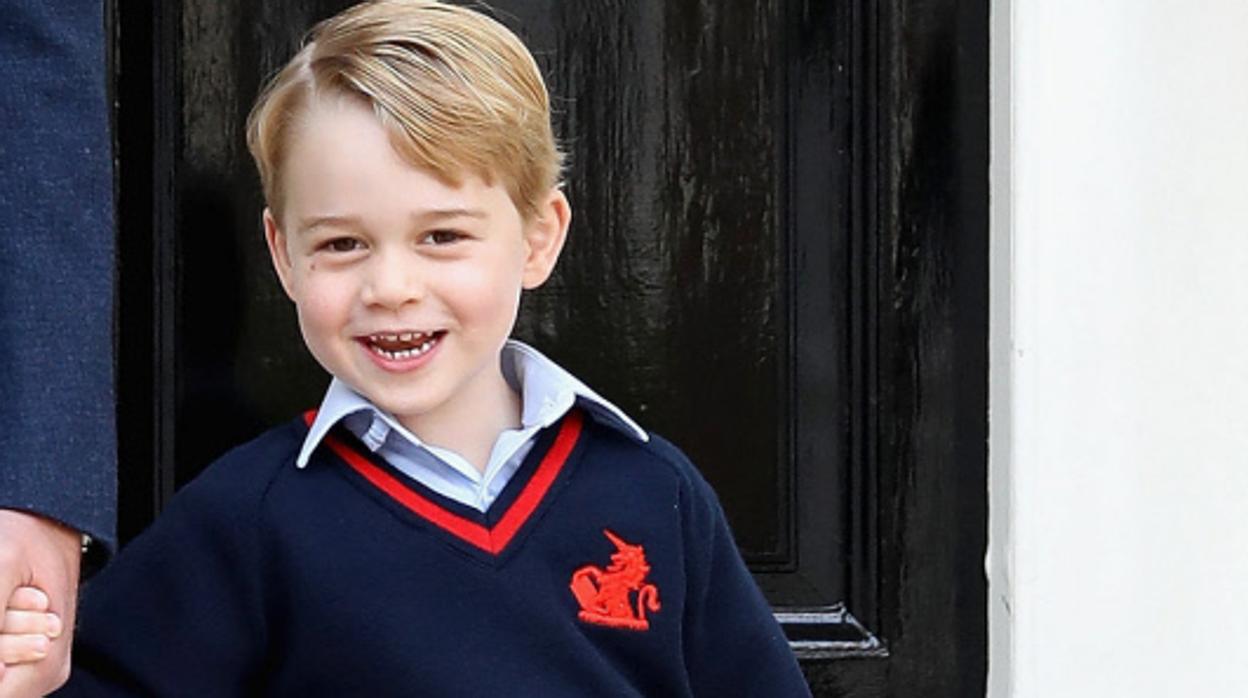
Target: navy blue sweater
[(605, 568)]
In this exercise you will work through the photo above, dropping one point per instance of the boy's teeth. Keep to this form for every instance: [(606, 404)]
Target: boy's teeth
[(404, 337), (404, 353)]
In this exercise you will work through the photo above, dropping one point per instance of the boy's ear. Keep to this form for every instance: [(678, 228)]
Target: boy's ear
[(544, 237), (276, 240)]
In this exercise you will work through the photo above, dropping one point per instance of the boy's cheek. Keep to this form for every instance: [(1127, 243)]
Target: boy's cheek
[(318, 304), (321, 297)]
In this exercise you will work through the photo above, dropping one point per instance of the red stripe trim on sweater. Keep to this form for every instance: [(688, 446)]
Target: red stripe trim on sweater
[(491, 540)]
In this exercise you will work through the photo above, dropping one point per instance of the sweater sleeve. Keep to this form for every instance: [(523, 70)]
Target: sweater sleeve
[(179, 611), (733, 644)]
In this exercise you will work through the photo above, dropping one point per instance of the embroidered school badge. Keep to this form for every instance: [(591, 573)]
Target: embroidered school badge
[(619, 596)]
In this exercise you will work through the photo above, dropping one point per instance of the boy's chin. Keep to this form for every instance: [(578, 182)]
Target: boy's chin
[(399, 406)]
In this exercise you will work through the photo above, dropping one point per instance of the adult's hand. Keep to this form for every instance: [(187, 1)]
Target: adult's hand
[(42, 553)]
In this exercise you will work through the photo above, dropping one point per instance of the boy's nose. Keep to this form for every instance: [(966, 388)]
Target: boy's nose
[(393, 280)]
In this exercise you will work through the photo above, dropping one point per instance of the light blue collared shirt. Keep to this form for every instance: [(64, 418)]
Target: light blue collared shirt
[(547, 392)]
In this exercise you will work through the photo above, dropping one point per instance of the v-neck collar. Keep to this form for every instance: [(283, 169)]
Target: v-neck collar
[(490, 531)]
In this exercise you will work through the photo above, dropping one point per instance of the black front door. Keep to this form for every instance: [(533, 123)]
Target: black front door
[(778, 261)]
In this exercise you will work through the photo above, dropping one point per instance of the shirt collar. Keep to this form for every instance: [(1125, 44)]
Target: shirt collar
[(547, 392)]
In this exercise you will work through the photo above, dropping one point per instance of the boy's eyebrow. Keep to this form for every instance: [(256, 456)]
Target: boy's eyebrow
[(456, 212), (349, 221), (317, 221)]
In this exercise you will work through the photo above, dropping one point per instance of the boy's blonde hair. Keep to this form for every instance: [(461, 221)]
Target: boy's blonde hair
[(458, 92)]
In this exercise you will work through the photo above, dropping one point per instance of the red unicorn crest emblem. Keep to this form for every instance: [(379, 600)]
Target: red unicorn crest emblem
[(606, 596)]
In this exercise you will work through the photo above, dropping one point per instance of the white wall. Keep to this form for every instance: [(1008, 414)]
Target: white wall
[(1119, 466)]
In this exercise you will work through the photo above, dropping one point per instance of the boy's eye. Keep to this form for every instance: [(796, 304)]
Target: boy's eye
[(342, 245), (443, 237)]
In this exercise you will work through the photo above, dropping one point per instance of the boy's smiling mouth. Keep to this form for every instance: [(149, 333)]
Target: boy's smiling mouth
[(398, 346)]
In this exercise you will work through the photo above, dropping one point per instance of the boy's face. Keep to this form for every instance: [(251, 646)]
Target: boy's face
[(406, 287)]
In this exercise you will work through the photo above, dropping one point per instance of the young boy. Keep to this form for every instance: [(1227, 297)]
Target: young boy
[(461, 517)]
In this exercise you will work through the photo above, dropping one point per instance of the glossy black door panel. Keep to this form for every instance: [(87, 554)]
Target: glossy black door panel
[(777, 260)]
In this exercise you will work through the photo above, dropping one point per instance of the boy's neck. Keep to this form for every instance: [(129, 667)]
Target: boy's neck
[(470, 423)]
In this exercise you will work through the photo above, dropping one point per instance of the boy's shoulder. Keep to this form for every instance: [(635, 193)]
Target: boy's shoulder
[(656, 457), (247, 471)]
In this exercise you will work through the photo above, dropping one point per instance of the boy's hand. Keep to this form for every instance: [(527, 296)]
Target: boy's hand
[(28, 628), (38, 552)]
